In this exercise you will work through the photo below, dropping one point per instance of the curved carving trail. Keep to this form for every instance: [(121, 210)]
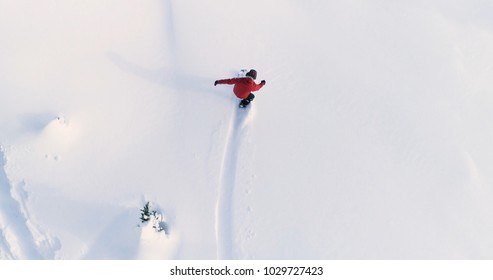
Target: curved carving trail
[(224, 206)]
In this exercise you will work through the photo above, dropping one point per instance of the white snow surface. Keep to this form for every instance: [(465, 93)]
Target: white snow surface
[(372, 138)]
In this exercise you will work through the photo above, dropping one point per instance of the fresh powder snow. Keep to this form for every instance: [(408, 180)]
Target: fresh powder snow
[(372, 138)]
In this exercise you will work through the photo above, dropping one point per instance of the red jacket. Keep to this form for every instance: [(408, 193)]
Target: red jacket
[(243, 86)]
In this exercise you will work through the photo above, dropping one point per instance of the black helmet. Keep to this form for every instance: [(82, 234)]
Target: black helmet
[(252, 73)]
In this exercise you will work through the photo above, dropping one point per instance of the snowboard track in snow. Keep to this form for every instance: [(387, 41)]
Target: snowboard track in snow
[(228, 174)]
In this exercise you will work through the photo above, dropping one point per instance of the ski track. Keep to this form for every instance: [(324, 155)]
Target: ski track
[(16, 240), (224, 207)]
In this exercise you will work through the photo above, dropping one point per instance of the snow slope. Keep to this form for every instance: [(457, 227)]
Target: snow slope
[(370, 140)]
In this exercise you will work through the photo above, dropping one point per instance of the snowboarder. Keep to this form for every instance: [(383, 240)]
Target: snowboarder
[(243, 86)]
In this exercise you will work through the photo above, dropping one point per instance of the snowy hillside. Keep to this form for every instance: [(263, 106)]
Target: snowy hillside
[(371, 139)]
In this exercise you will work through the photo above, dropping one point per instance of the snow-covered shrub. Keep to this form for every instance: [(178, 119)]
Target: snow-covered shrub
[(156, 219), (145, 213)]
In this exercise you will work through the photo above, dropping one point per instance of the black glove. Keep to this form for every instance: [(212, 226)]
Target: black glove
[(215, 83), (263, 82)]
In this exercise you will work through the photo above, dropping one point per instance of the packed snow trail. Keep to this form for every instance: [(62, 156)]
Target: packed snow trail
[(224, 207)]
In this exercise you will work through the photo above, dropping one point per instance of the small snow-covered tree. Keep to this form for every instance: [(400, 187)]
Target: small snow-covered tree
[(156, 219), (145, 213)]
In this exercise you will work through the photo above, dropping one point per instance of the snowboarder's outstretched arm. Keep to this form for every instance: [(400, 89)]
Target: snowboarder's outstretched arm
[(233, 81), (258, 86), (226, 81)]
